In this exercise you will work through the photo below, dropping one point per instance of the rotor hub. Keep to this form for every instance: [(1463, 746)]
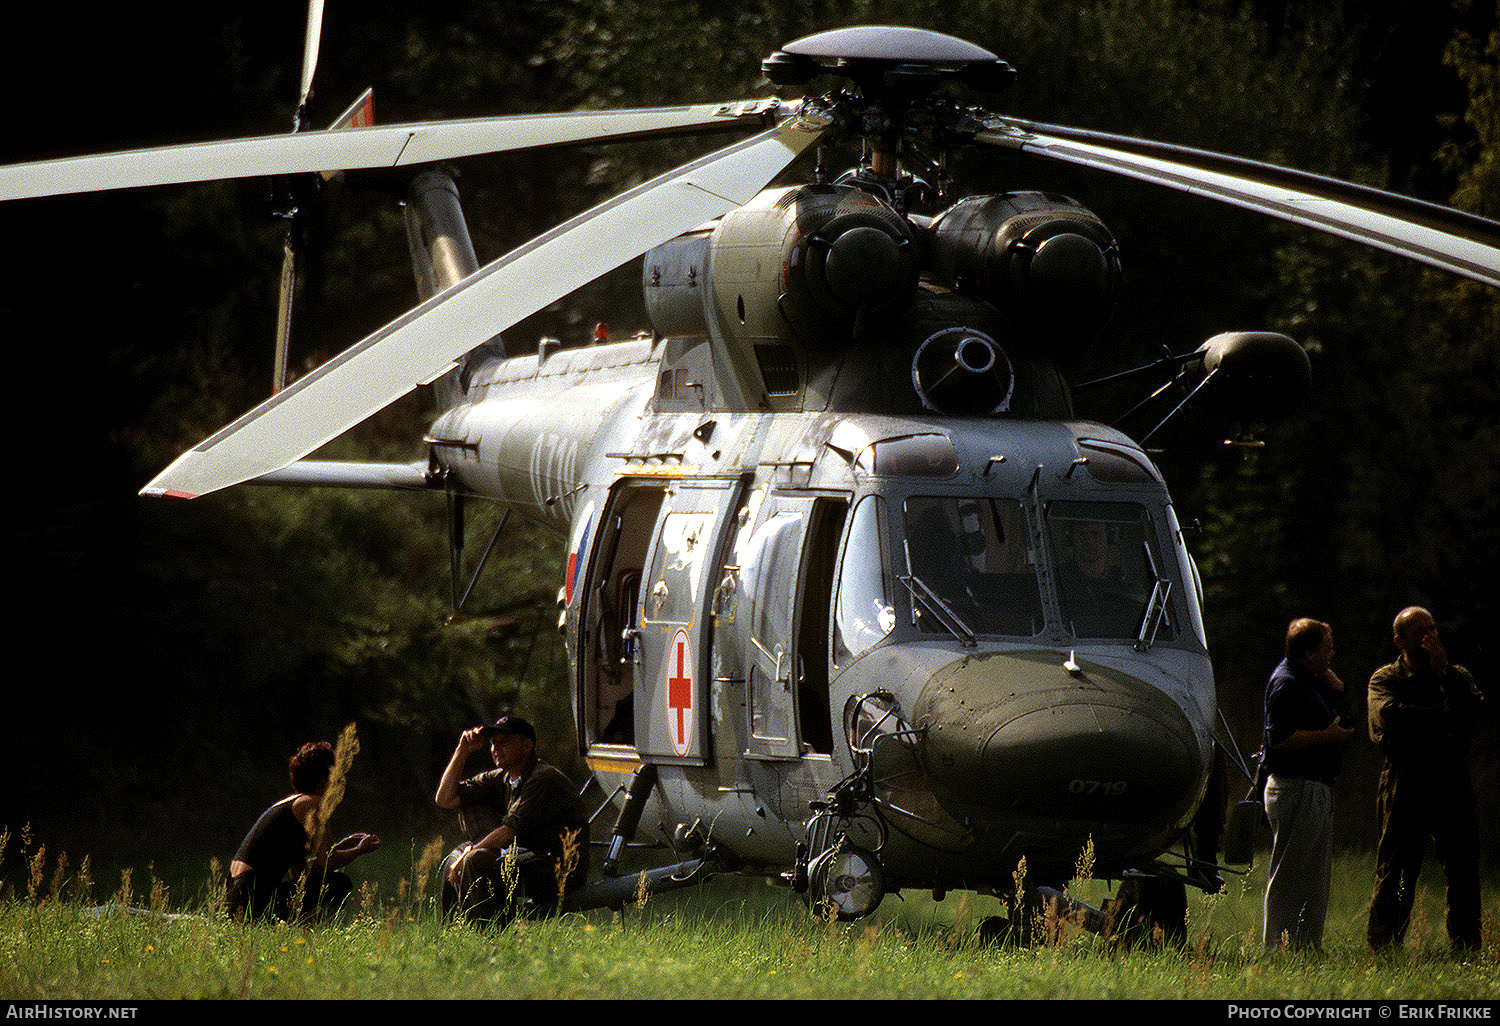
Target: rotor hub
[(884, 60)]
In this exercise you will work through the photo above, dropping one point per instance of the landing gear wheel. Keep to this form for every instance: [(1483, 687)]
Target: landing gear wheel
[(995, 930), (1149, 910), (1019, 926), (847, 880)]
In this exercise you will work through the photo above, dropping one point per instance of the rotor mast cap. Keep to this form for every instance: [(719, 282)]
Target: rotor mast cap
[(885, 56)]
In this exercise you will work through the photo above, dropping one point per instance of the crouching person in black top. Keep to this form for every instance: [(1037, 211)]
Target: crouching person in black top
[(527, 827), (288, 855)]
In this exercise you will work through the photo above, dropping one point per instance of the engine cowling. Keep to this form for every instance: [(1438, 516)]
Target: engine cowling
[(675, 285), (796, 265), (1045, 261), (813, 261)]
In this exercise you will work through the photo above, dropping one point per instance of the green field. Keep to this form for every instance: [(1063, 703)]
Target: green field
[(734, 938)]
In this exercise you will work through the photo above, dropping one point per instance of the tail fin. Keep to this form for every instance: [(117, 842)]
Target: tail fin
[(361, 113), (441, 251)]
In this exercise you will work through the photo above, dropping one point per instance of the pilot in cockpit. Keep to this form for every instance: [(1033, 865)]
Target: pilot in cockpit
[(935, 550), (1093, 555), (1097, 600)]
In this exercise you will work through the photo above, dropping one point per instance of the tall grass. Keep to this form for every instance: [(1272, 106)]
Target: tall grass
[(62, 937)]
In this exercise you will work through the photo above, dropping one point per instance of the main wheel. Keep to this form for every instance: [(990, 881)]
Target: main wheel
[(1146, 909)]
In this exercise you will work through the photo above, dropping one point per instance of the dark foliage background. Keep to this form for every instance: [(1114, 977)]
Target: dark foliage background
[(167, 656)]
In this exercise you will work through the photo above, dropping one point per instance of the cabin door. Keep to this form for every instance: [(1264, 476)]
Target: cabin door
[(672, 649), (786, 589), (611, 605)]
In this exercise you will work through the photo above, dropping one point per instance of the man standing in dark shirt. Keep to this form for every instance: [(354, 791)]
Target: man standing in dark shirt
[(1421, 710), (1302, 743), (522, 803)]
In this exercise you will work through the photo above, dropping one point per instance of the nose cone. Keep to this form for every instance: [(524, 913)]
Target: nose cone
[(1017, 735)]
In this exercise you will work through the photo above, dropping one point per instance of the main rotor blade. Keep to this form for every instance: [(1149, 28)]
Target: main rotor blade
[(1439, 236), (420, 346), (350, 148)]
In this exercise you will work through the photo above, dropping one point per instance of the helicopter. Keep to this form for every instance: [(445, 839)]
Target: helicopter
[(852, 598)]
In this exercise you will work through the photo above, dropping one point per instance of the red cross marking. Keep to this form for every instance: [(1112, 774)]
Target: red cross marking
[(680, 689)]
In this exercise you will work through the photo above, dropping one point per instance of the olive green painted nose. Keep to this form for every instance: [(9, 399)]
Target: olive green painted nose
[(1017, 734)]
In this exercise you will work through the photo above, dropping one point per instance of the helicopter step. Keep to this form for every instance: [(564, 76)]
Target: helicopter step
[(617, 892)]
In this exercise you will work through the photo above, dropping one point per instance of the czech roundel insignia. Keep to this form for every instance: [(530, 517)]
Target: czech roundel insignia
[(577, 554)]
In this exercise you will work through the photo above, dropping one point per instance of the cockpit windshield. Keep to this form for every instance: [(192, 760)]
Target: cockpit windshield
[(971, 565), (1109, 574), (973, 569)]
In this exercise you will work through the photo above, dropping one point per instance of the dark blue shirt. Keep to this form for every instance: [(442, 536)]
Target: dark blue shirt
[(1298, 700)]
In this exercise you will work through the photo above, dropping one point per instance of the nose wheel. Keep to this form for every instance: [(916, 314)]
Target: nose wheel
[(847, 881), (838, 867)]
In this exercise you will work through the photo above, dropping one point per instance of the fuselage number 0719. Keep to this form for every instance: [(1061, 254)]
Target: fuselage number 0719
[(1100, 787)]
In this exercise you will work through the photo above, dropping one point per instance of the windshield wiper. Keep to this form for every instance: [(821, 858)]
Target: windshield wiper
[(946, 616), (1156, 605)]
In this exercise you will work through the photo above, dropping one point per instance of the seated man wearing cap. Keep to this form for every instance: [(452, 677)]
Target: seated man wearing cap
[(522, 802)]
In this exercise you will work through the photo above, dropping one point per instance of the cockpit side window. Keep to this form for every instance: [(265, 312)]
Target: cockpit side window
[(971, 560), (864, 611), (1110, 576)]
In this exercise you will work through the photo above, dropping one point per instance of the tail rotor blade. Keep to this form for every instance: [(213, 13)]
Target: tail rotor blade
[(360, 114), (284, 309), (309, 58), (421, 346), (293, 212)]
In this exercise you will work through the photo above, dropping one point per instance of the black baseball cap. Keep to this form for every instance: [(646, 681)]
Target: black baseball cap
[(509, 725)]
